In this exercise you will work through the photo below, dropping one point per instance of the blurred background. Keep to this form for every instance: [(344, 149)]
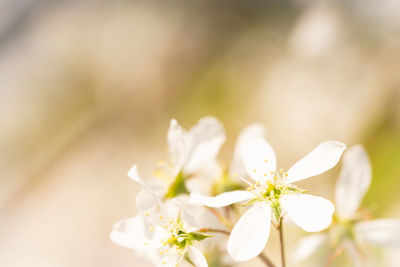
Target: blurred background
[(87, 88)]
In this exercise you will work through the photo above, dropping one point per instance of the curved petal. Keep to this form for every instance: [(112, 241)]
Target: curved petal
[(311, 213), (259, 159), (177, 145), (325, 156), (307, 246), (250, 234), (354, 181), (385, 232), (197, 257), (206, 139), (222, 200), (147, 196), (134, 175), (130, 233), (248, 134), (145, 201)]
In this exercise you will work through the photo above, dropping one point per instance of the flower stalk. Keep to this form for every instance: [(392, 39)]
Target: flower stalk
[(212, 230), (281, 241)]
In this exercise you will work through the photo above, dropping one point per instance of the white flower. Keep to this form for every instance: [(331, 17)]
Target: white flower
[(249, 133), (350, 230), (193, 154), (226, 181), (195, 151), (162, 234), (272, 195)]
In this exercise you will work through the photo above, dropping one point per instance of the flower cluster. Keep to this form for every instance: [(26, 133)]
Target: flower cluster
[(173, 225)]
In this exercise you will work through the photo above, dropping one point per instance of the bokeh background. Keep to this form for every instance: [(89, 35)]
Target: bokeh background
[(87, 88)]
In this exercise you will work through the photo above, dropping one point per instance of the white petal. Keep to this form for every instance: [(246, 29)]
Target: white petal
[(259, 158), (185, 209), (145, 201), (385, 232), (130, 233), (170, 260), (177, 144), (250, 234), (197, 257), (146, 196), (354, 181), (311, 213), (134, 175), (248, 134), (206, 138), (221, 200), (307, 246), (325, 156)]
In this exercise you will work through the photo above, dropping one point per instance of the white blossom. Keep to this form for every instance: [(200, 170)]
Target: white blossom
[(165, 234), (271, 195), (195, 151)]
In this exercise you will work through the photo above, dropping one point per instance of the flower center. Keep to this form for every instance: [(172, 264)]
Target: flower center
[(178, 239), (271, 189)]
